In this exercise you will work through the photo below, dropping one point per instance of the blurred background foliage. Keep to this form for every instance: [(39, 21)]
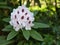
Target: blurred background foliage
[(46, 11)]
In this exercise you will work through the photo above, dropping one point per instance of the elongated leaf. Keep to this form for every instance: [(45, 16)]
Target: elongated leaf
[(7, 28), (20, 43), (26, 34), (6, 19), (26, 43), (40, 25), (3, 4), (2, 37), (36, 35), (4, 42), (11, 35), (31, 43)]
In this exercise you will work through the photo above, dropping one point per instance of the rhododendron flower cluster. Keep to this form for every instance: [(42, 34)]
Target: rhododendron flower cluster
[(21, 18)]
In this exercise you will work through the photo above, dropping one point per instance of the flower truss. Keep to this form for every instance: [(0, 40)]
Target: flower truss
[(21, 18)]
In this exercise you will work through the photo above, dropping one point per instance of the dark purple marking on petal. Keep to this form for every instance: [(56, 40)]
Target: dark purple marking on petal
[(27, 18), (26, 13), (22, 17), (18, 12), (17, 22), (22, 10), (15, 16), (29, 22)]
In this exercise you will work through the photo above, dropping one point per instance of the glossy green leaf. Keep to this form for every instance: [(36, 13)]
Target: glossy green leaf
[(6, 19), (6, 42), (3, 41), (7, 28), (2, 37), (11, 35), (36, 35), (26, 34), (40, 25)]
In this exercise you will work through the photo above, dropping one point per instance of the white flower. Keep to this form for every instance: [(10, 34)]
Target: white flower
[(29, 25), (22, 18)]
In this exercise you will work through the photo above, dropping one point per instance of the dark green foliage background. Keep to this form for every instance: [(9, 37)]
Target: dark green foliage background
[(48, 15)]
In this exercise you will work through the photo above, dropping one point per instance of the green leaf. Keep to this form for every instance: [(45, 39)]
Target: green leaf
[(20, 43), (58, 42), (35, 13), (7, 28), (31, 43), (36, 35), (11, 35), (6, 7), (4, 42), (26, 34), (26, 43), (3, 4), (40, 25), (6, 19), (56, 29), (2, 37)]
